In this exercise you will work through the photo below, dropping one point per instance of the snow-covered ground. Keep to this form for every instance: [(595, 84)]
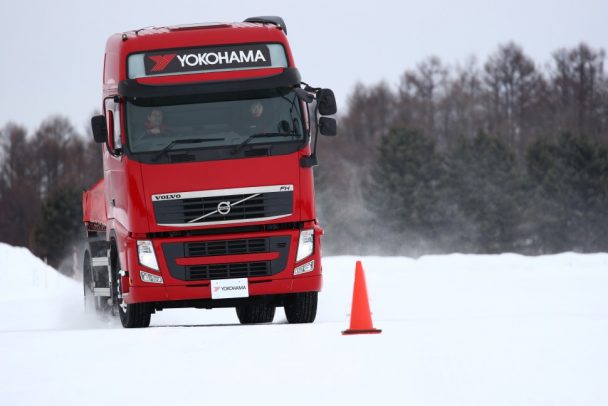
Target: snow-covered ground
[(457, 330)]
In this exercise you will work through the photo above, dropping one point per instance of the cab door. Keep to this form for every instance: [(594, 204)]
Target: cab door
[(114, 170)]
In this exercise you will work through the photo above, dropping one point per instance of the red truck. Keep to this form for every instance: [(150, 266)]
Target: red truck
[(208, 137)]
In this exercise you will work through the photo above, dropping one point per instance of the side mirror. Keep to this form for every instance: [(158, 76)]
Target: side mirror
[(100, 129), (326, 101), (328, 126)]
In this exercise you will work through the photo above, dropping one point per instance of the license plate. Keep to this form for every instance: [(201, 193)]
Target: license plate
[(229, 288)]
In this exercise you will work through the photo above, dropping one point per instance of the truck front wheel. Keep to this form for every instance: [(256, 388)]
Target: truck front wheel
[(131, 315), (254, 313), (301, 307), (134, 315)]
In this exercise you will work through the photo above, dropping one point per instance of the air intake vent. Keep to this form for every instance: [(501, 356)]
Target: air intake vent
[(225, 271), (182, 158), (227, 247), (257, 152), (197, 26)]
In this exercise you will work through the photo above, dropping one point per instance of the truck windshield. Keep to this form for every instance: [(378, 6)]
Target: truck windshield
[(270, 117)]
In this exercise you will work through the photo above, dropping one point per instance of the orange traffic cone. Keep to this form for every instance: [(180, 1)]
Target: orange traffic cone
[(360, 316)]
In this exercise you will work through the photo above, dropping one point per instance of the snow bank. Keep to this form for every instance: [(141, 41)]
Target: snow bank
[(24, 275), (34, 296), (457, 330)]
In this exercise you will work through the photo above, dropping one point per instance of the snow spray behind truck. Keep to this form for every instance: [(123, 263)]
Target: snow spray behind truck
[(207, 198)]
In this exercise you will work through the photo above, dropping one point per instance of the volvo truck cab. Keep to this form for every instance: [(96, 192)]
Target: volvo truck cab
[(208, 138)]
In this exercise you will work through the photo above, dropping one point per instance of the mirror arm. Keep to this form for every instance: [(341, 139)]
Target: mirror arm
[(113, 151), (309, 88)]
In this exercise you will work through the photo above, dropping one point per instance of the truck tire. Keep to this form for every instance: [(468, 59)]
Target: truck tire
[(301, 307), (254, 313), (135, 315)]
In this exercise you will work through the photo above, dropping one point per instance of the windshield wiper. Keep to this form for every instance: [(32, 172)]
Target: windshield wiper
[(184, 141), (237, 148)]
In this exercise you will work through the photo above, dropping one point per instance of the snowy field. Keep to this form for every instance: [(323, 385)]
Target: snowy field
[(457, 330)]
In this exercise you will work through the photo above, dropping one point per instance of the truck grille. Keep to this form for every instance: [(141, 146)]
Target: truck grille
[(227, 247), (225, 271), (234, 208), (236, 269)]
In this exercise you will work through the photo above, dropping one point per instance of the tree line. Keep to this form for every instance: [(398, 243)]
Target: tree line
[(505, 156), (42, 176)]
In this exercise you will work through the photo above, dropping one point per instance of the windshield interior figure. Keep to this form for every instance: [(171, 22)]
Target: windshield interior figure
[(271, 118), (154, 122)]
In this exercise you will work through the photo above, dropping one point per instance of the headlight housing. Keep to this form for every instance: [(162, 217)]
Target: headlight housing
[(147, 257), (305, 245)]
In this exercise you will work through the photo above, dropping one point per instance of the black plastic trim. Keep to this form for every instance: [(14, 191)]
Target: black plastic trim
[(226, 230), (276, 20), (130, 88)]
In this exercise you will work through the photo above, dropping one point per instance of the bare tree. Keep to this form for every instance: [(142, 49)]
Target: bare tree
[(462, 110), (512, 84), (19, 199), (51, 142), (370, 112), (420, 92), (580, 90)]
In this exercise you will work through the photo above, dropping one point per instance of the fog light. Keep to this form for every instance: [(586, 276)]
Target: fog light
[(307, 267), (150, 278)]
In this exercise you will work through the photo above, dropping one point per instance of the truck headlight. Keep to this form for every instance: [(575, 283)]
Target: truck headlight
[(147, 257), (306, 244)]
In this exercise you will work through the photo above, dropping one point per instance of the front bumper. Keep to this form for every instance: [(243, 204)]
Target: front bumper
[(141, 294), (178, 286)]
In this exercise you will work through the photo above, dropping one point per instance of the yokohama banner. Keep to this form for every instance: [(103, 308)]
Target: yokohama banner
[(208, 58)]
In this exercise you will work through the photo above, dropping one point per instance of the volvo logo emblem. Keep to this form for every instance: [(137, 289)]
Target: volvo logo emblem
[(223, 208)]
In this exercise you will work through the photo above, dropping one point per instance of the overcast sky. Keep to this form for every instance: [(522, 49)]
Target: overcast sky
[(52, 51)]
